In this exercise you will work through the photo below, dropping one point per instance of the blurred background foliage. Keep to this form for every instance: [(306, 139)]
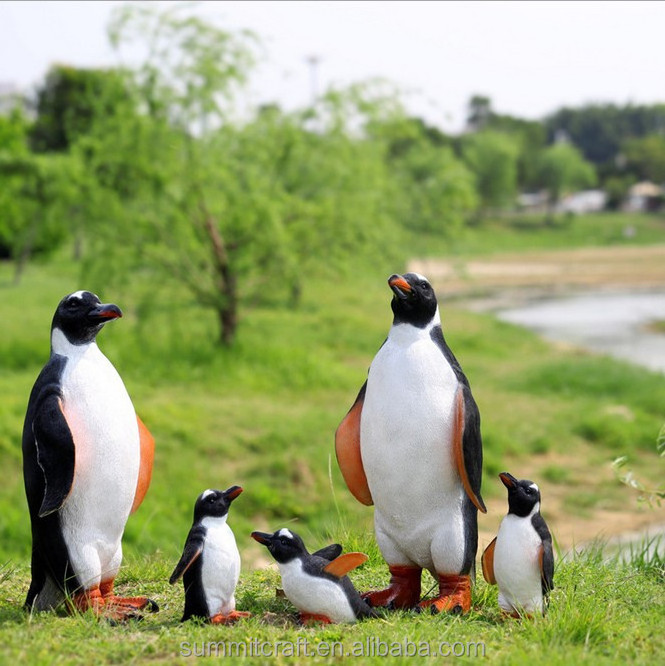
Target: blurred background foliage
[(160, 167)]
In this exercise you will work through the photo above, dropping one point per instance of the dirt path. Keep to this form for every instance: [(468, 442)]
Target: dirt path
[(554, 271), (506, 279)]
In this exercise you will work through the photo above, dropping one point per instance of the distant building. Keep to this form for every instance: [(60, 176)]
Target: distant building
[(644, 196), (586, 201), (533, 202)]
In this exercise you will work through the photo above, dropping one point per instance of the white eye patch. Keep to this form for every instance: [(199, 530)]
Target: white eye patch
[(285, 533)]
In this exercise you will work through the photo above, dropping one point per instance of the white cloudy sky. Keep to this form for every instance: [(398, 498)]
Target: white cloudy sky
[(529, 57)]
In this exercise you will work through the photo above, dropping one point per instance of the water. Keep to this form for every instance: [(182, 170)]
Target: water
[(615, 324)]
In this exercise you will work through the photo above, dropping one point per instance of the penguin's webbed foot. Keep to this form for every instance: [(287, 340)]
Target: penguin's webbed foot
[(402, 592), (229, 618), (111, 608), (454, 595), (308, 619)]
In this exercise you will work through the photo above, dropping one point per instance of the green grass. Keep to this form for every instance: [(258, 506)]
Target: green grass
[(262, 414), (600, 613), (516, 233)]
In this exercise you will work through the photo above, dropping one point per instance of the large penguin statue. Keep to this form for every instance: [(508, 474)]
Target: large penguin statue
[(411, 445), (87, 463)]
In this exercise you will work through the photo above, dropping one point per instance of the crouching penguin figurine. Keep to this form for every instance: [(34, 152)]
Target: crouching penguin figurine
[(317, 584), (210, 562), (520, 558)]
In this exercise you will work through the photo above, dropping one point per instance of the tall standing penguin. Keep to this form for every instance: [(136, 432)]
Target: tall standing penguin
[(87, 463), (411, 445), (210, 561), (520, 559)]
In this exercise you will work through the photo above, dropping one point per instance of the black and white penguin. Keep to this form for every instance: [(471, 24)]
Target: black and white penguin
[(411, 445), (317, 584), (87, 463), (210, 562), (520, 558)]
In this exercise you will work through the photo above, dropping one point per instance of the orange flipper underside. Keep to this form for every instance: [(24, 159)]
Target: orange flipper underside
[(487, 562), (347, 447), (341, 565), (458, 451), (147, 459)]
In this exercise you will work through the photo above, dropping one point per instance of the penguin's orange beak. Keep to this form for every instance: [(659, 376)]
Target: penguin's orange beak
[(399, 285), (261, 537), (508, 480)]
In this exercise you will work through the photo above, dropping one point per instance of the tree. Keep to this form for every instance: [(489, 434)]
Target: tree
[(562, 169), (71, 100), (645, 157), (234, 211), (479, 113), (492, 157), (434, 190)]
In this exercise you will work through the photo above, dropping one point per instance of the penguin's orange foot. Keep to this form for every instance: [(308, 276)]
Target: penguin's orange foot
[(131, 604), (402, 592), (230, 618), (454, 595), (127, 605), (308, 619)]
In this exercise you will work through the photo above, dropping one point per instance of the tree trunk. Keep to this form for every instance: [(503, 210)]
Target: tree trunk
[(225, 282)]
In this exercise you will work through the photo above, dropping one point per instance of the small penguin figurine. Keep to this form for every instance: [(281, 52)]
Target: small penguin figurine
[(210, 562), (411, 446), (87, 463), (520, 558), (317, 584)]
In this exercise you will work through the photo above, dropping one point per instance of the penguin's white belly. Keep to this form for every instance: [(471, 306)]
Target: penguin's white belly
[(405, 439), (314, 594), (517, 565), (220, 568), (103, 423)]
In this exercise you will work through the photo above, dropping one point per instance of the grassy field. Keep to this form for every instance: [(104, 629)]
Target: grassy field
[(262, 415)]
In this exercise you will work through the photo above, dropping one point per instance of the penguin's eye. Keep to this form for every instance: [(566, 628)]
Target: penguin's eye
[(211, 499), (284, 541), (528, 491)]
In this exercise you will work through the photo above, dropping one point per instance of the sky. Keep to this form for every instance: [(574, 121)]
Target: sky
[(530, 58)]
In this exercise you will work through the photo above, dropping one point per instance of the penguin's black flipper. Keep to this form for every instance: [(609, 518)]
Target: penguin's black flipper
[(193, 548), (329, 552), (55, 448), (546, 554), (468, 444)]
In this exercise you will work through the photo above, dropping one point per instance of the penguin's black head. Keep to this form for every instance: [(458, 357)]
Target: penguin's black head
[(215, 503), (284, 545), (414, 300), (523, 495), (81, 315)]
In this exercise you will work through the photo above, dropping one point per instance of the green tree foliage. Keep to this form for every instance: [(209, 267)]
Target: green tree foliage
[(599, 130), (562, 169), (434, 190), (36, 194), (234, 211), (645, 157), (71, 100), (492, 157)]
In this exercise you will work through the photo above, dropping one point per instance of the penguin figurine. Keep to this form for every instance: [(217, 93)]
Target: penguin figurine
[(411, 445), (317, 584), (520, 558), (210, 562), (87, 463)]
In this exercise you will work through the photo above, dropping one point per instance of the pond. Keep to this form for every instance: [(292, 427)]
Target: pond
[(612, 323)]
